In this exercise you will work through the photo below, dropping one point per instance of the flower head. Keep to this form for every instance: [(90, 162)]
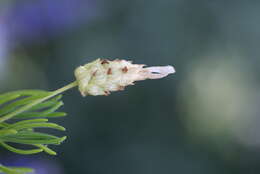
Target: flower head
[(103, 76)]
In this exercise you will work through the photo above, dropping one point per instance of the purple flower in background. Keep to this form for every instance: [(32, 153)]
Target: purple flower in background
[(32, 20), (35, 21), (40, 165), (3, 49)]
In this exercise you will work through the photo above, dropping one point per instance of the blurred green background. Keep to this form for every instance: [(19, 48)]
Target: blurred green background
[(202, 120)]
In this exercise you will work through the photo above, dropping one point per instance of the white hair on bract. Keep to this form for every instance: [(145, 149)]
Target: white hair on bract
[(103, 76)]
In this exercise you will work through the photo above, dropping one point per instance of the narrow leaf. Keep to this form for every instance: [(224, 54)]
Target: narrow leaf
[(46, 104), (8, 98), (46, 149), (14, 105), (5, 132), (4, 124), (39, 115), (39, 125), (26, 92), (53, 108), (22, 170), (15, 170), (8, 170), (33, 138), (20, 151), (39, 120)]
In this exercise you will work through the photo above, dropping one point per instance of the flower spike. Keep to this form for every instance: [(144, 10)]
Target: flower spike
[(103, 76)]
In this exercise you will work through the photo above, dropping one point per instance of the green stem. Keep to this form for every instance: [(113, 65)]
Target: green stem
[(28, 106)]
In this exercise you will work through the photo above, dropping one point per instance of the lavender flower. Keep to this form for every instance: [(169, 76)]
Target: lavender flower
[(32, 20)]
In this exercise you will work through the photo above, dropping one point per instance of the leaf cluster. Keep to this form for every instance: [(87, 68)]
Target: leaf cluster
[(22, 128)]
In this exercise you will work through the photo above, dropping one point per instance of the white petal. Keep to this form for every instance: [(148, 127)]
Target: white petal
[(157, 72)]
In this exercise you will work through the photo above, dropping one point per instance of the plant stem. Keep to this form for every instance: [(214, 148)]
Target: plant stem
[(28, 106)]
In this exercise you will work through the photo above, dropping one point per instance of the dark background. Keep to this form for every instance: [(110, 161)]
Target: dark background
[(204, 119)]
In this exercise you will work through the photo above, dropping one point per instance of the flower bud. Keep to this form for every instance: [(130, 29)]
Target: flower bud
[(102, 76)]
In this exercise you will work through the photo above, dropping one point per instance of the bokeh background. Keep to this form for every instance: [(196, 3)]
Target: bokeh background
[(202, 120)]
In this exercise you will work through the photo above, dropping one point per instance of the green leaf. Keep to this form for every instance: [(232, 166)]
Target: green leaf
[(20, 151), (5, 132), (22, 170), (46, 149), (15, 170), (39, 115), (39, 120), (7, 170), (16, 104), (4, 125), (46, 104), (8, 98), (26, 92), (32, 138), (56, 114), (53, 108), (39, 125)]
